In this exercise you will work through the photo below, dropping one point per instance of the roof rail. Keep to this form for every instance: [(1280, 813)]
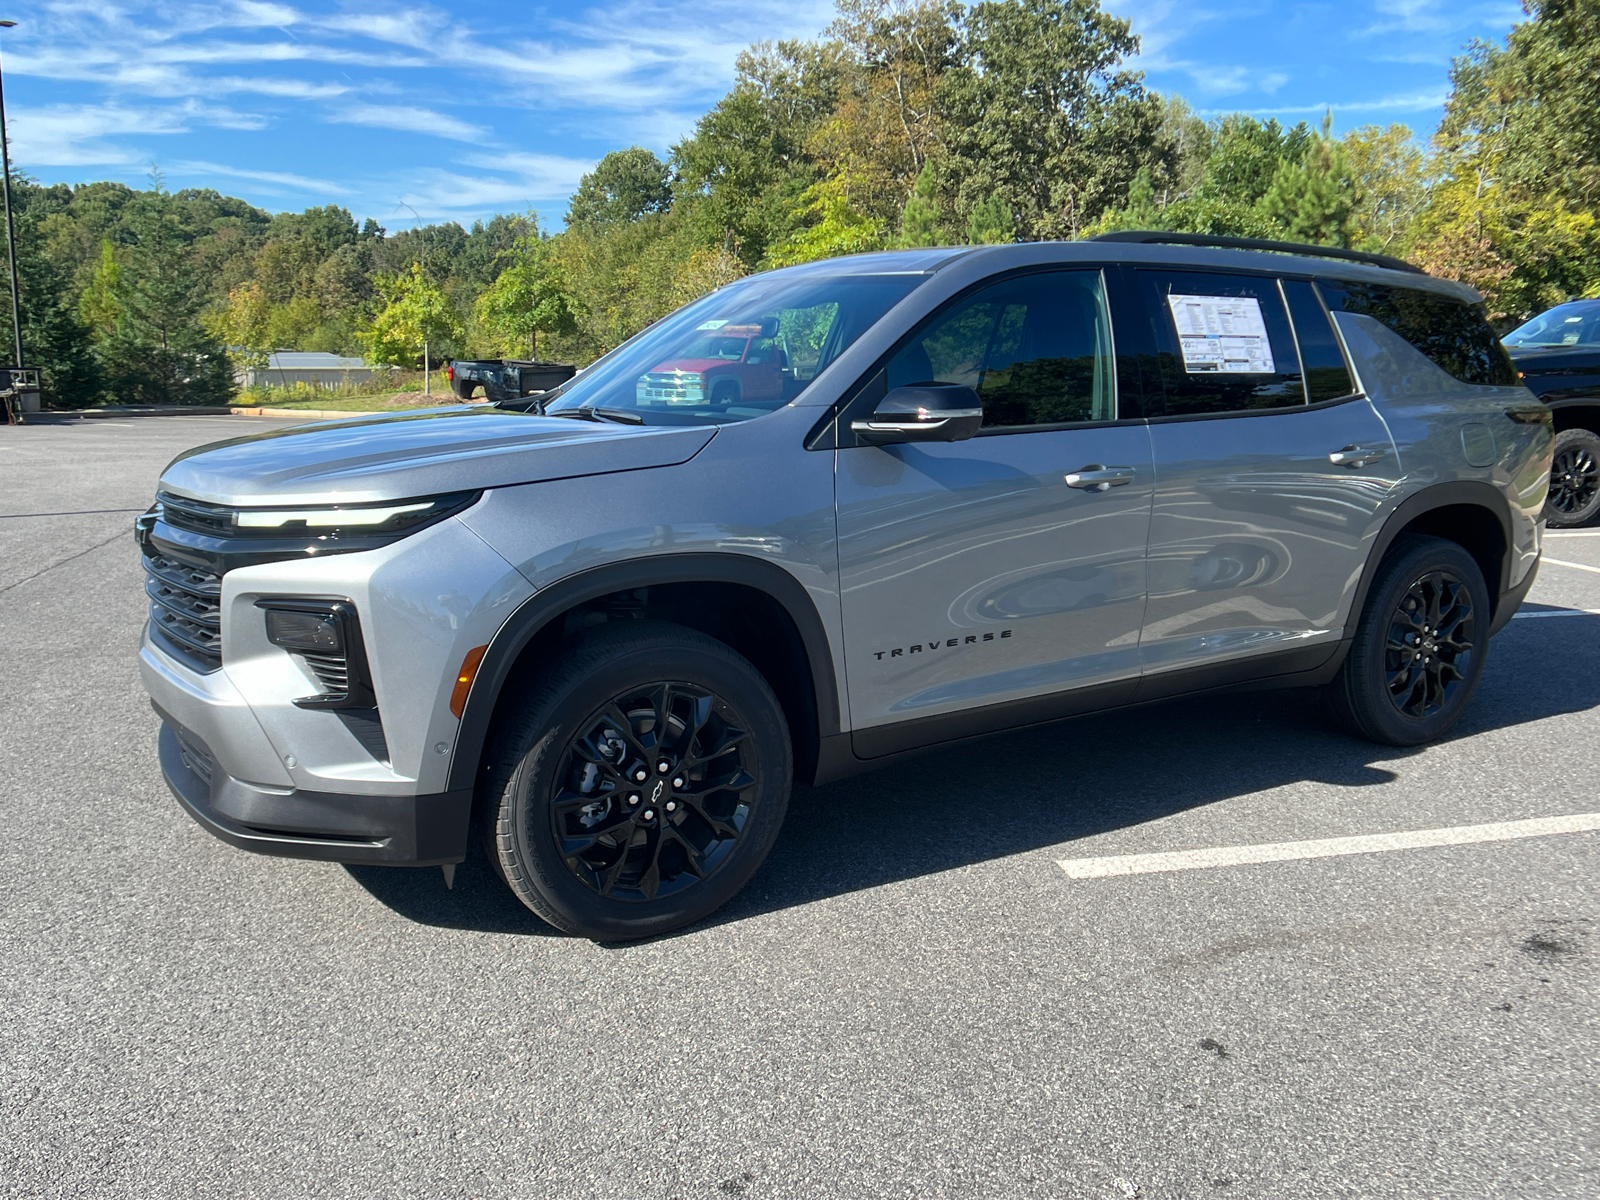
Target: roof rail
[(1156, 237)]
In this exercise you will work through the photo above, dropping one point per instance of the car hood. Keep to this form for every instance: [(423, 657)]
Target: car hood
[(696, 365), (420, 454)]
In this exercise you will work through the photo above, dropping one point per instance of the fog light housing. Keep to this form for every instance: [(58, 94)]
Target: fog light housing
[(325, 636), (306, 631)]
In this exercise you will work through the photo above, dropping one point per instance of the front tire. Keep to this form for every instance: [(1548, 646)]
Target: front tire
[(1419, 648), (640, 783), (1574, 480)]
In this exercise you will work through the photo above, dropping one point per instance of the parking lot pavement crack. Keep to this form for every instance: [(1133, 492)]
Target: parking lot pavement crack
[(63, 562)]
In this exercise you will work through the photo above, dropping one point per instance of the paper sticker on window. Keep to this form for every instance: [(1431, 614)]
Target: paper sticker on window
[(1222, 335)]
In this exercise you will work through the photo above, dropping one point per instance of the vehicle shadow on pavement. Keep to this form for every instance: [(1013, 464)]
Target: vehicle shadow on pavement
[(1057, 784)]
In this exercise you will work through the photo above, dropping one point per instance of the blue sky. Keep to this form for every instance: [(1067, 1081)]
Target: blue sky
[(402, 111)]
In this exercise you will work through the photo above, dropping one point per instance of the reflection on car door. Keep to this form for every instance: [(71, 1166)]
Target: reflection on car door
[(972, 573), (1270, 475)]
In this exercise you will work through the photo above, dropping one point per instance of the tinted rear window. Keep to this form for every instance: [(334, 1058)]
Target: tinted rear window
[(1454, 335)]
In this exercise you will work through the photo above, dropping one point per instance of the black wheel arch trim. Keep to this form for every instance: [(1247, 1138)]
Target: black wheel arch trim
[(550, 602), (1449, 494)]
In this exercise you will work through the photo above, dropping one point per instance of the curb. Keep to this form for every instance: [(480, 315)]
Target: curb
[(310, 414), (204, 410)]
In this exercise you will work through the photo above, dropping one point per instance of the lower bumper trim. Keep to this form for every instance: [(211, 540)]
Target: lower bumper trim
[(419, 831)]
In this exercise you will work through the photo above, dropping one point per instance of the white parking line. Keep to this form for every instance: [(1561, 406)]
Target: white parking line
[(1232, 856), (1557, 612), (1560, 533), (1556, 562)]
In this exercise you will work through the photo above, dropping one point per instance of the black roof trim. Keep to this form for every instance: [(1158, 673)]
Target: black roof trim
[(1156, 237)]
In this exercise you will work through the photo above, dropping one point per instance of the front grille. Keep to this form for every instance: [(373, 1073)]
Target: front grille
[(196, 515), (185, 609), (671, 387)]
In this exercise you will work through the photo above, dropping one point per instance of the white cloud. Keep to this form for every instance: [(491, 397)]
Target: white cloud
[(64, 135), (409, 119), (284, 179), (1412, 102)]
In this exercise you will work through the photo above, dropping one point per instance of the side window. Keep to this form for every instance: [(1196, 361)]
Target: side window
[(1327, 376), (1036, 349), (1223, 343), (1455, 335)]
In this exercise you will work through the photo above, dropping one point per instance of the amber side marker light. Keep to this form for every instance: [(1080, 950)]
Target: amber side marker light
[(469, 671)]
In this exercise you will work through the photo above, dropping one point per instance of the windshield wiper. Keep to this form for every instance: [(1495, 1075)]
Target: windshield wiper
[(591, 412)]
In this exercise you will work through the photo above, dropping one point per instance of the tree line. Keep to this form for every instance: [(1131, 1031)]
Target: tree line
[(907, 123)]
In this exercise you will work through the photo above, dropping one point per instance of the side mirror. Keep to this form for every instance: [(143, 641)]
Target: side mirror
[(930, 412)]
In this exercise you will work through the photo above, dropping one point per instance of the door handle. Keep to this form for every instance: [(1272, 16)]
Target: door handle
[(1096, 478), (1354, 456)]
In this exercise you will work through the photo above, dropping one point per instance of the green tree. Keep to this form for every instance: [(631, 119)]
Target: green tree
[(990, 223), (1039, 114), (243, 326), (416, 320), (1517, 212), (1312, 198), (527, 298), (98, 307), (1391, 175), (919, 219), (742, 172), (624, 185), (158, 352), (837, 228), (55, 338)]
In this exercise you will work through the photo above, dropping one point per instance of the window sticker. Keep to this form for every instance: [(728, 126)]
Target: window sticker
[(1222, 335)]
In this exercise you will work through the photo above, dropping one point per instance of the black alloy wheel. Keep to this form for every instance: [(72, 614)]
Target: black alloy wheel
[(654, 791), (637, 782), (1429, 651), (1419, 646), (1574, 479)]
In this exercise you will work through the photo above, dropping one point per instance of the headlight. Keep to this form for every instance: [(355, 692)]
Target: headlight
[(321, 523)]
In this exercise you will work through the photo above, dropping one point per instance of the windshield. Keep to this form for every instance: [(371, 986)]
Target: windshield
[(1575, 324), (741, 352)]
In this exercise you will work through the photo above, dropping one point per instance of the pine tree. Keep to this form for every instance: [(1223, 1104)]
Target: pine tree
[(1314, 198), (990, 224), (158, 352), (55, 340), (919, 220)]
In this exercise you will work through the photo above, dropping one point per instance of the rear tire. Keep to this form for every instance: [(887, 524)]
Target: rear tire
[(1419, 648), (1574, 480), (599, 852)]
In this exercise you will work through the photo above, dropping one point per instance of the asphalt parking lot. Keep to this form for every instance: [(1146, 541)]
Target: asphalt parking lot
[(913, 999)]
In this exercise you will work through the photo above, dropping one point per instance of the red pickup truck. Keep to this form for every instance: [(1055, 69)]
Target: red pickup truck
[(729, 365)]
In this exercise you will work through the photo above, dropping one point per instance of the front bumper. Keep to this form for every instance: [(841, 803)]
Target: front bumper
[(419, 831)]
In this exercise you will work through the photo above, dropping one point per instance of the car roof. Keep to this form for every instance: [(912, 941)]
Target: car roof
[(930, 259)]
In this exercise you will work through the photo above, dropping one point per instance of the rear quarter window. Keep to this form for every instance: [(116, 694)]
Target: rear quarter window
[(1454, 335)]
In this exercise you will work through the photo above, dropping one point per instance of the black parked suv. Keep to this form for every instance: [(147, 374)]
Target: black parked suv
[(1558, 353)]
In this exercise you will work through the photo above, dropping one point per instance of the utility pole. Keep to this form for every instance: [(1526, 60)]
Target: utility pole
[(11, 233)]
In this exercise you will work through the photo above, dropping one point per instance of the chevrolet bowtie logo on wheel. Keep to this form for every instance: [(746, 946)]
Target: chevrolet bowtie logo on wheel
[(655, 792)]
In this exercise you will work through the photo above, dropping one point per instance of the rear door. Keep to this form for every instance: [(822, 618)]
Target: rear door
[(1270, 474), (975, 577)]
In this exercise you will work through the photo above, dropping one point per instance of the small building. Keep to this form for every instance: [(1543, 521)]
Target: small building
[(309, 367)]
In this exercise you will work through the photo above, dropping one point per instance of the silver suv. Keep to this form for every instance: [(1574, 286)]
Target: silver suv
[(954, 492)]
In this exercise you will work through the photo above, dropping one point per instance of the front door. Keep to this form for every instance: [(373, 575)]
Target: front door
[(1270, 476), (980, 585)]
